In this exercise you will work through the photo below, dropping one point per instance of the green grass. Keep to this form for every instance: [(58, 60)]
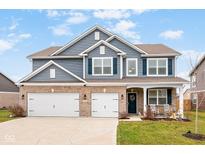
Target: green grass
[(4, 115), (159, 132)]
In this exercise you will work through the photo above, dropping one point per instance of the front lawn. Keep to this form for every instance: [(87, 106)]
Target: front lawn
[(159, 132), (4, 115)]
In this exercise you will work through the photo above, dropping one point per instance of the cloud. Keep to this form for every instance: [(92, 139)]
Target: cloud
[(5, 46), (111, 14), (24, 36), (13, 25), (140, 11), (126, 28), (60, 30), (172, 34), (53, 13), (76, 18)]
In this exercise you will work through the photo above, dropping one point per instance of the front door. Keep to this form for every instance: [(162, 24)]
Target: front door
[(132, 103)]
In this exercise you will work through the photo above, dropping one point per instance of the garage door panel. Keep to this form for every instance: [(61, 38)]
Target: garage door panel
[(105, 104), (53, 104)]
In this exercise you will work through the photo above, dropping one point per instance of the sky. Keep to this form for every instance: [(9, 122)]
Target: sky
[(23, 32)]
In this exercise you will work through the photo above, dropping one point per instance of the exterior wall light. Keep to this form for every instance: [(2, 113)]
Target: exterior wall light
[(84, 97), (22, 97), (122, 97)]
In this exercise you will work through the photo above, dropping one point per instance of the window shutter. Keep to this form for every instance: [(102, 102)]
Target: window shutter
[(170, 72), (144, 65), (114, 65), (169, 96), (89, 65)]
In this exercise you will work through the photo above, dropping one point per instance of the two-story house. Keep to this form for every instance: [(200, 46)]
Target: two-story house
[(197, 77), (100, 74)]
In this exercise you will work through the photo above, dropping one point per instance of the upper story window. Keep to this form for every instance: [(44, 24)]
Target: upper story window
[(102, 66), (132, 67), (194, 98), (193, 80), (157, 96), (157, 67), (97, 36), (102, 50), (52, 73)]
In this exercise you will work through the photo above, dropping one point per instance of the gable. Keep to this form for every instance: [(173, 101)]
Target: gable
[(61, 75), (108, 52), (127, 49), (6, 85)]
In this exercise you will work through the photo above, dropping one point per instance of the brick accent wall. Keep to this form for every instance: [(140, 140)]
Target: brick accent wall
[(85, 105)]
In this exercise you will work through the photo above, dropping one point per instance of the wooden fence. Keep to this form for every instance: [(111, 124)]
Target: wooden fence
[(187, 105)]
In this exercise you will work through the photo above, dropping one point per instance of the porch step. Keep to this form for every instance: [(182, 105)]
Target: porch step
[(132, 118)]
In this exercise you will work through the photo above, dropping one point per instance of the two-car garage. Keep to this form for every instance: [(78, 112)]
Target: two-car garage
[(68, 104)]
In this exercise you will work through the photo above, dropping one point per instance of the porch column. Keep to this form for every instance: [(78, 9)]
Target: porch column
[(145, 99), (181, 102)]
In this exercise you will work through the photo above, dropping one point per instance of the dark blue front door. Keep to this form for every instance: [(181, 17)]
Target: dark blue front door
[(132, 102)]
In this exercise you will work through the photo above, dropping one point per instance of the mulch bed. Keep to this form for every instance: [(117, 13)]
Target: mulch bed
[(166, 119), (194, 136)]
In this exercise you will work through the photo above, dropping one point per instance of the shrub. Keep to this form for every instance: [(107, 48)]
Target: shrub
[(17, 111)]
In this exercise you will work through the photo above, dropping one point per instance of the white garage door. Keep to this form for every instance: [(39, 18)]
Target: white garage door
[(53, 104), (105, 104)]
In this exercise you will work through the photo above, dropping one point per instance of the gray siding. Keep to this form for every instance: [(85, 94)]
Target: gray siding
[(83, 44), (60, 75), (108, 53), (6, 85), (131, 53), (74, 65)]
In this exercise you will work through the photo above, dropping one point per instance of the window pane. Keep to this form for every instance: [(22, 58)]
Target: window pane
[(152, 63), (162, 93), (162, 100), (97, 62), (97, 70), (152, 100), (162, 63), (107, 70), (107, 62), (153, 93), (131, 67), (152, 71), (162, 71)]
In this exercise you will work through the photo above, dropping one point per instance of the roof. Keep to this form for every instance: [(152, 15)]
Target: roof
[(144, 80), (157, 49), (197, 65), (45, 52), (6, 84)]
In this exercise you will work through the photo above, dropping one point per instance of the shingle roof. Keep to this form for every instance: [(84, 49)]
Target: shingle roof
[(157, 49), (7, 85), (45, 52), (197, 65)]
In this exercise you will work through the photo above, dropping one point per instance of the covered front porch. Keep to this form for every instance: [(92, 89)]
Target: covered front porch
[(155, 100)]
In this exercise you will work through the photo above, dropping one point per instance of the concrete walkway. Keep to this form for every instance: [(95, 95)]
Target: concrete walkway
[(59, 130)]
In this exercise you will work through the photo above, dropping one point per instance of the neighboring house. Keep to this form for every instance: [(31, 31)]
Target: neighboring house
[(100, 74), (197, 76), (9, 92)]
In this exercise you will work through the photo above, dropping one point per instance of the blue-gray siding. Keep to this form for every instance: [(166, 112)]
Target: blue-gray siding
[(108, 53), (60, 75), (74, 65), (83, 44)]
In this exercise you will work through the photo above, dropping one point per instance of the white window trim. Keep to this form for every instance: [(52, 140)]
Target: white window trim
[(193, 83), (52, 73), (111, 58), (127, 60), (102, 49), (157, 97), (157, 59)]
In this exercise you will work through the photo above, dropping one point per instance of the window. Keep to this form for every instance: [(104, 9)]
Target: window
[(157, 67), (102, 66), (52, 73), (97, 36), (193, 80), (132, 67), (194, 98), (157, 96), (102, 50)]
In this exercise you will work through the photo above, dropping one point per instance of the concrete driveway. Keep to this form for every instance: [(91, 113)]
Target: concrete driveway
[(59, 130)]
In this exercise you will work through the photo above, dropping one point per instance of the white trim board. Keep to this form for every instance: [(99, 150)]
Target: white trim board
[(6, 92), (80, 37), (126, 42), (136, 65), (104, 43), (29, 76)]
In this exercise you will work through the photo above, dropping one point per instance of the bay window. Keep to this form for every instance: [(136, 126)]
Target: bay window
[(102, 66), (157, 67), (157, 96)]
